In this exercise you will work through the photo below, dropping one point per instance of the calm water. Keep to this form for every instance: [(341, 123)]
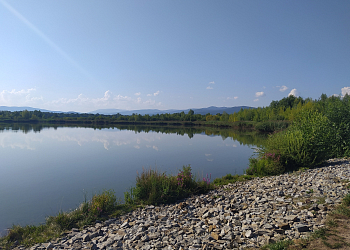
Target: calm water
[(48, 169)]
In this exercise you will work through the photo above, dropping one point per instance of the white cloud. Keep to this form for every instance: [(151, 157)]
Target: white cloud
[(212, 82), (138, 93), (207, 155), (255, 100), (259, 94), (283, 88), (137, 147), (19, 98), (345, 90), (294, 92), (154, 94), (209, 87), (236, 97), (155, 148)]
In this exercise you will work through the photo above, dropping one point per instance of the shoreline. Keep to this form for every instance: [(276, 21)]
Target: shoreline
[(244, 214)]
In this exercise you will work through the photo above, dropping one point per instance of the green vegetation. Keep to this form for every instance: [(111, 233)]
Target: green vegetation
[(152, 187), (280, 245), (231, 179), (320, 130)]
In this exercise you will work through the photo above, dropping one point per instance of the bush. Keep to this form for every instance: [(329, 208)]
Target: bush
[(266, 164), (271, 126), (153, 187), (306, 143)]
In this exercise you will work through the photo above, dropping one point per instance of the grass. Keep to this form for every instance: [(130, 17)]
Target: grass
[(152, 187), (232, 179), (279, 245)]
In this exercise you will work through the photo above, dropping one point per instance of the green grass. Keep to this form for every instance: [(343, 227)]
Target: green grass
[(154, 187), (232, 179), (279, 245)]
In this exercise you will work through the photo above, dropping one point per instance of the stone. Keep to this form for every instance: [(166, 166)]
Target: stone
[(239, 215), (215, 236), (302, 228)]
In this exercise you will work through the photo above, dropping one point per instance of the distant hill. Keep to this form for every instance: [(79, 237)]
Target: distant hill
[(12, 109), (203, 111)]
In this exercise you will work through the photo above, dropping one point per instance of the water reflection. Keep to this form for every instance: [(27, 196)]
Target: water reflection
[(243, 137), (45, 168)]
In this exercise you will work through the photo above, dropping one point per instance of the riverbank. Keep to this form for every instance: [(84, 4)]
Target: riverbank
[(246, 214)]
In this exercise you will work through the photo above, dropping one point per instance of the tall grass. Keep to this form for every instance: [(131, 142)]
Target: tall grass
[(154, 187)]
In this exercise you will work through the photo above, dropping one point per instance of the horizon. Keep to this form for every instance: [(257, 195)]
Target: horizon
[(134, 55), (123, 110)]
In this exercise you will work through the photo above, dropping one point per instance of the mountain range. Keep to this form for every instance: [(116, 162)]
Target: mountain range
[(203, 111)]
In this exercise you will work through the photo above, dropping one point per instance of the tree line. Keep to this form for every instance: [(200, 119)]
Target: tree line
[(278, 113)]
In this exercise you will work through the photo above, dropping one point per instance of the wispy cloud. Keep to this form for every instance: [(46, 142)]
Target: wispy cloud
[(154, 94), (232, 98), (282, 88), (209, 87), (212, 82), (138, 93), (259, 94), (294, 92), (108, 100), (255, 100)]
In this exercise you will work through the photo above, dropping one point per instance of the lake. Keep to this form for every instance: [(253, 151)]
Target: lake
[(47, 169)]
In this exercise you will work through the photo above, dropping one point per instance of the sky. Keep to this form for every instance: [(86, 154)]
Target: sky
[(85, 55)]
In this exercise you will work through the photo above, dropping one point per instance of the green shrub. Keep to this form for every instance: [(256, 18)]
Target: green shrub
[(265, 164), (153, 187), (271, 126), (306, 143), (103, 203)]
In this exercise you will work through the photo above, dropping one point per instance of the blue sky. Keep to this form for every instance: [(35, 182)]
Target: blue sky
[(85, 55)]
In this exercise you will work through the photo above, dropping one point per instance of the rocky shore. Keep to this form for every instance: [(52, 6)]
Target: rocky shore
[(236, 216)]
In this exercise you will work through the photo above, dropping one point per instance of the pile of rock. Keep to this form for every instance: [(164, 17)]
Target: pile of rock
[(236, 216)]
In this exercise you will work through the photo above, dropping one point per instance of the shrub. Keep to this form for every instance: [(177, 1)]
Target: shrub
[(306, 143), (103, 203), (153, 187), (266, 164)]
